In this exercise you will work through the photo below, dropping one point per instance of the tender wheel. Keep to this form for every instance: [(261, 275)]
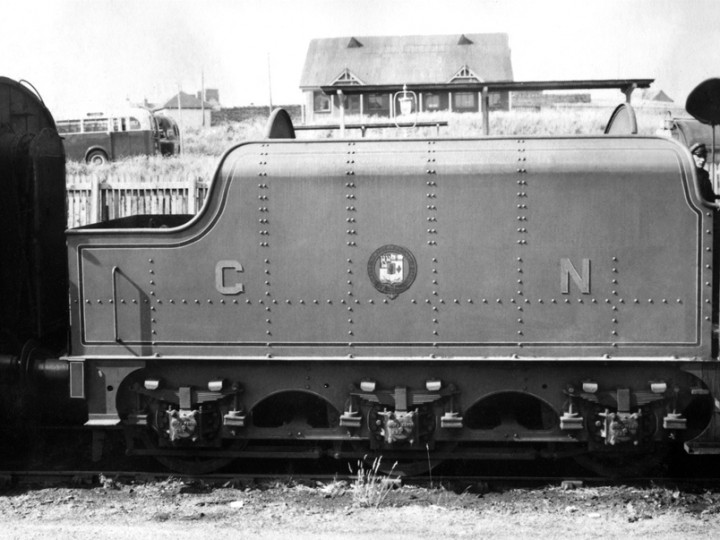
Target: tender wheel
[(401, 440), (97, 157), (192, 465), (624, 464), (415, 464), (402, 467)]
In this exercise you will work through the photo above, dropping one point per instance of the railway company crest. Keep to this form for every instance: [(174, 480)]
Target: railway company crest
[(392, 269)]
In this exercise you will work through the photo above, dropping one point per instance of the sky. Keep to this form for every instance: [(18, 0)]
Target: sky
[(97, 53)]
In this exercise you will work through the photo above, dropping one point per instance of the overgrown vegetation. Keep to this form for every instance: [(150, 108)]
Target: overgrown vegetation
[(202, 147), (149, 167), (215, 140)]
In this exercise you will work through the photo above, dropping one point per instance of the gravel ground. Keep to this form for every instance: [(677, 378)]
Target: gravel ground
[(179, 510)]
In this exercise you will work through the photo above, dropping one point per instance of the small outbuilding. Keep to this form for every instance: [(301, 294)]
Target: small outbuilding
[(656, 95), (187, 110)]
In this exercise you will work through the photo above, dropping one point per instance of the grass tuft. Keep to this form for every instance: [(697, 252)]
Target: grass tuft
[(371, 486)]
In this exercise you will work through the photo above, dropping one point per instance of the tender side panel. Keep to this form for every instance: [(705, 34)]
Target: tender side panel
[(547, 244), (631, 236), (474, 254)]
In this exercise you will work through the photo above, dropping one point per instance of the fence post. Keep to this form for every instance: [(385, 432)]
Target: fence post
[(192, 195), (95, 199)]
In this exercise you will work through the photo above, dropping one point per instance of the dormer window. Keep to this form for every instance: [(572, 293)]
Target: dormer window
[(346, 77), (465, 74)]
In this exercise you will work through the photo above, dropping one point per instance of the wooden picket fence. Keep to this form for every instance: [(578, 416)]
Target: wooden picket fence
[(91, 199)]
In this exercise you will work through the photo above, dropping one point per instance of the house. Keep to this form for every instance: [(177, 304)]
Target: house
[(385, 63), (187, 110)]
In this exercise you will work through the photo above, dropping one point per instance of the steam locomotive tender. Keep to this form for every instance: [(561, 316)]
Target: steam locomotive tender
[(466, 298)]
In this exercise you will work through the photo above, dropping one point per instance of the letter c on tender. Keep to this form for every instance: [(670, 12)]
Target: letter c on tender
[(220, 285)]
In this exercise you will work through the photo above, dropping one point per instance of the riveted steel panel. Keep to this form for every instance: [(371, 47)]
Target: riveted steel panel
[(595, 206), (472, 248), (391, 215), (302, 258), (475, 255)]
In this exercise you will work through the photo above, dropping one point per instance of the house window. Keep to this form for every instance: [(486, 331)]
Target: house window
[(432, 102), (352, 105), (464, 100), (321, 102), (378, 102)]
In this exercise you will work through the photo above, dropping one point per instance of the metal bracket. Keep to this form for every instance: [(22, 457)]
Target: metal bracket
[(674, 421), (137, 419), (102, 420), (234, 419), (350, 419), (185, 398), (451, 420), (570, 420)]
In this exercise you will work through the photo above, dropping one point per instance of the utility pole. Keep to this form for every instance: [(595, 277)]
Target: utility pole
[(269, 84), (179, 107), (202, 96)]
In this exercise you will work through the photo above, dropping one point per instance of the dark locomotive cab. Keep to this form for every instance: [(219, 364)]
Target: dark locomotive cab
[(33, 270)]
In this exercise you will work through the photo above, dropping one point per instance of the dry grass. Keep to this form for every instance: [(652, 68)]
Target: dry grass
[(371, 486), (548, 122), (149, 167), (204, 146), (215, 140)]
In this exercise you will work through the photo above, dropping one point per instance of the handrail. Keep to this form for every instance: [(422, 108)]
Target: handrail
[(31, 86), (115, 270), (364, 127)]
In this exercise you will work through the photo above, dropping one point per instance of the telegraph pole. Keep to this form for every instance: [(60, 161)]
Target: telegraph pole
[(179, 106), (269, 84), (202, 96)]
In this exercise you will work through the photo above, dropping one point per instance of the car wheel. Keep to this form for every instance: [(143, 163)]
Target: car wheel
[(97, 157)]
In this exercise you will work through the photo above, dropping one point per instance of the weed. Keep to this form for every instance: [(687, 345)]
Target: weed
[(371, 486), (336, 488)]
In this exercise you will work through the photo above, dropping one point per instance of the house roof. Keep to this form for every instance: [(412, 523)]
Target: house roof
[(187, 101), (656, 95), (377, 60)]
